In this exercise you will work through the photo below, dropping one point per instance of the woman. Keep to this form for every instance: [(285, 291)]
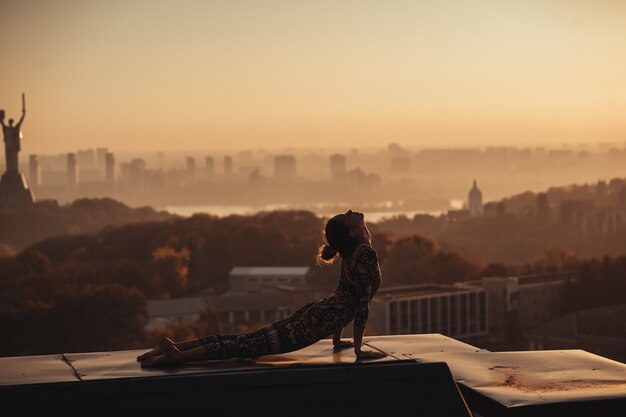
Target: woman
[(346, 235)]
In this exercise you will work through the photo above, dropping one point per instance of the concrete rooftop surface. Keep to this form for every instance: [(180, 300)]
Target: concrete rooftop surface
[(424, 374)]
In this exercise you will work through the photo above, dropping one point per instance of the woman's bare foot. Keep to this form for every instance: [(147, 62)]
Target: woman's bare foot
[(169, 357), (161, 347)]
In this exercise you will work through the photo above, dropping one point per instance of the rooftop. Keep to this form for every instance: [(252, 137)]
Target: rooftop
[(524, 280), (420, 289), (269, 270), (426, 374)]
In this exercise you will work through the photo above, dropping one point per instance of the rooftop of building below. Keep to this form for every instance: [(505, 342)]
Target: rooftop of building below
[(430, 373)]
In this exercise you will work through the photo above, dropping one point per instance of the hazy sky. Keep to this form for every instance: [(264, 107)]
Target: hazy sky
[(143, 75)]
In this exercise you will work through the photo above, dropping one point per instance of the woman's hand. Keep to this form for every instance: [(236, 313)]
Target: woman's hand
[(171, 356), (369, 354), (163, 345), (342, 343)]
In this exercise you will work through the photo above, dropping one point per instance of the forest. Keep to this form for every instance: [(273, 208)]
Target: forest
[(21, 227), (88, 292)]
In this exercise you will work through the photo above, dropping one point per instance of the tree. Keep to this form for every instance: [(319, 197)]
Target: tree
[(171, 269), (497, 269), (543, 206)]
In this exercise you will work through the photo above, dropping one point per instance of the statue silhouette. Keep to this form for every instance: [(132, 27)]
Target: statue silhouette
[(14, 190), (12, 137)]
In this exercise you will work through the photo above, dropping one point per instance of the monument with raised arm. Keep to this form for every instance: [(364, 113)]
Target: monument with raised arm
[(14, 191)]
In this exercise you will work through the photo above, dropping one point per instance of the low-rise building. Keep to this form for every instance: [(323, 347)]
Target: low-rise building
[(456, 312), (257, 296), (256, 278), (522, 301)]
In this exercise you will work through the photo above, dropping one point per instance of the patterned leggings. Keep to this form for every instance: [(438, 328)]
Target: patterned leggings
[(264, 341)]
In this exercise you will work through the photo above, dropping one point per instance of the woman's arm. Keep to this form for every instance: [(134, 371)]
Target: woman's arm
[(369, 281), (358, 346), (337, 342)]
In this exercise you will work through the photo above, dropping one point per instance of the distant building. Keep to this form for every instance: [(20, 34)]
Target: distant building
[(165, 311), (457, 215), (34, 171), (603, 221), (54, 178), (253, 279), (572, 211), (228, 166), (154, 182), (109, 167), (475, 201), (72, 170), (590, 220), (337, 166), (209, 166), (125, 173), (137, 173), (85, 158), (191, 168), (429, 308), (524, 301), (257, 297), (101, 156), (285, 166), (359, 179)]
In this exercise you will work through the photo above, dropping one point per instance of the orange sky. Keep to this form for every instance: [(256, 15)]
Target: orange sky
[(153, 74)]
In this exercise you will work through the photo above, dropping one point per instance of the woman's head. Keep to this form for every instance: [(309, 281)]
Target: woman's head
[(342, 233)]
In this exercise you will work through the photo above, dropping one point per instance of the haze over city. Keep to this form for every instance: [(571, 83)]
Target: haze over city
[(373, 208), (245, 75)]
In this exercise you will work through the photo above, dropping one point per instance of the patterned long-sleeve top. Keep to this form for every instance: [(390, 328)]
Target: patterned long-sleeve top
[(360, 279)]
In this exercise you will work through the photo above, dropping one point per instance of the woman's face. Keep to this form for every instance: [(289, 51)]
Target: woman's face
[(356, 223)]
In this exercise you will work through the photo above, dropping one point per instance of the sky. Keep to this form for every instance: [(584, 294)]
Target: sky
[(185, 74)]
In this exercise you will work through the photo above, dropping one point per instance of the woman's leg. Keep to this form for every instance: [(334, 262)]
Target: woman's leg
[(216, 347), (245, 345)]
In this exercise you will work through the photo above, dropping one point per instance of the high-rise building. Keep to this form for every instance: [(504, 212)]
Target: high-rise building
[(191, 168), (109, 167), (125, 173), (209, 165), (72, 170), (86, 158), (101, 155), (337, 165), (285, 166), (475, 201), (137, 171), (34, 170), (228, 165)]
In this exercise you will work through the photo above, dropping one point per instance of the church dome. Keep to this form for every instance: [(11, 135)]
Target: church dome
[(475, 192)]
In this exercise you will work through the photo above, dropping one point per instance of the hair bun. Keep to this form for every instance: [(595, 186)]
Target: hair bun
[(328, 252)]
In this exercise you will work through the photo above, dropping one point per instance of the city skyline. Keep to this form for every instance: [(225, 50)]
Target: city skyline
[(198, 75)]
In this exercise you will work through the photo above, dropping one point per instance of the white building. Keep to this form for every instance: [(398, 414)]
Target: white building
[(254, 278), (257, 297), (429, 308)]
